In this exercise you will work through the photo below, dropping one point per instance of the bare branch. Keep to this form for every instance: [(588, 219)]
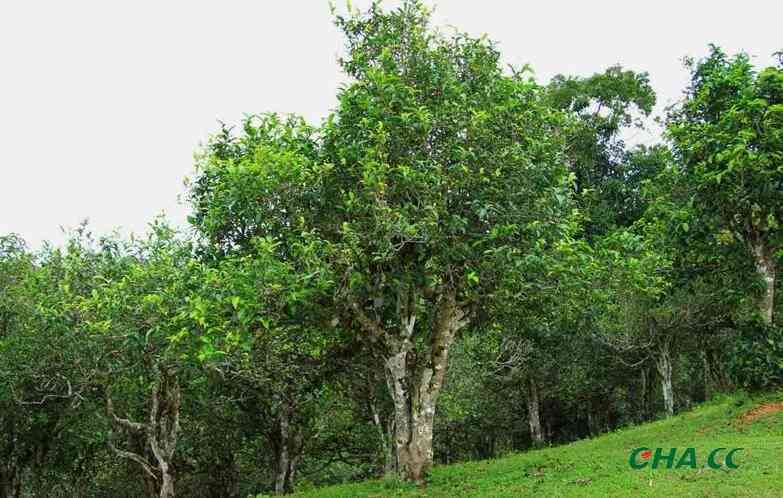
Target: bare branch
[(135, 458), (124, 422), (368, 324)]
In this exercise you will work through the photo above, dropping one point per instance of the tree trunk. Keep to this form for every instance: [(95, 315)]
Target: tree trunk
[(167, 486), (765, 266), (415, 381), (720, 379), (283, 461), (285, 474), (704, 393), (10, 481), (590, 422), (164, 428), (159, 434), (288, 443), (384, 436), (644, 397), (664, 365), (137, 443), (534, 412)]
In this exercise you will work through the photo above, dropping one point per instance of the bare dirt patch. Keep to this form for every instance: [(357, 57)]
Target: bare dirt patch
[(760, 411)]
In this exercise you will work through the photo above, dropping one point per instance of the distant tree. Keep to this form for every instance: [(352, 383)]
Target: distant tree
[(606, 177)]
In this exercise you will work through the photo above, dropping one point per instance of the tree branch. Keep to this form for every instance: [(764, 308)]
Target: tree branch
[(124, 422), (135, 458)]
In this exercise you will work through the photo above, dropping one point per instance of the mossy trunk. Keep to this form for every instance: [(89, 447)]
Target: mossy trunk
[(414, 382), (158, 436)]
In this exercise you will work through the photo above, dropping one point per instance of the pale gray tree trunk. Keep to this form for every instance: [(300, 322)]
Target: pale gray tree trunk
[(707, 380), (534, 412), (165, 419), (283, 459), (590, 422), (415, 381), (164, 428), (644, 397), (765, 266), (385, 435), (159, 433), (289, 445), (286, 472), (664, 365)]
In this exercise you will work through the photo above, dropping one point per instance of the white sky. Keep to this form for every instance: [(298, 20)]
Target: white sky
[(103, 102)]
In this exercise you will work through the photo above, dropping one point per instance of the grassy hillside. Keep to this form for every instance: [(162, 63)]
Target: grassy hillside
[(600, 467)]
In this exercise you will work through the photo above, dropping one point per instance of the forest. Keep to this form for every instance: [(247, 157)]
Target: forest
[(458, 263)]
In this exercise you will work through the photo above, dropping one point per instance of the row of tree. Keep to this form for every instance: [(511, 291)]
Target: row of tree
[(454, 239)]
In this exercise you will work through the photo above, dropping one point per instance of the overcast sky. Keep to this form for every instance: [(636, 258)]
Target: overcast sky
[(102, 103)]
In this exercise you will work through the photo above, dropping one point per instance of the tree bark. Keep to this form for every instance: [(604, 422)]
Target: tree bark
[(164, 421), (288, 449), (384, 436), (10, 481), (590, 422), (765, 266), (283, 461), (159, 434), (643, 398), (705, 391), (534, 412), (415, 381), (664, 365)]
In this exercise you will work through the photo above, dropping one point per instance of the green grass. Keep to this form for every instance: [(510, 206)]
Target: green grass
[(599, 467)]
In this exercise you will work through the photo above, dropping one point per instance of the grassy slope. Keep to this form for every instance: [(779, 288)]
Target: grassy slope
[(599, 467)]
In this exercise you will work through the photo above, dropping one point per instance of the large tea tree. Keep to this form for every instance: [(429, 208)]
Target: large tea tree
[(444, 168), (265, 320), (152, 340), (436, 170), (605, 106), (729, 135)]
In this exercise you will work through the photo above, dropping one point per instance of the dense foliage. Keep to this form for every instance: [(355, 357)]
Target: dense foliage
[(458, 262)]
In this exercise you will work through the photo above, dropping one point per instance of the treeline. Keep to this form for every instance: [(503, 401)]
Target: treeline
[(457, 263)]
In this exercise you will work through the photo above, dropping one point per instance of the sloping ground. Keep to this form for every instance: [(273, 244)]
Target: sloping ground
[(600, 467)]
